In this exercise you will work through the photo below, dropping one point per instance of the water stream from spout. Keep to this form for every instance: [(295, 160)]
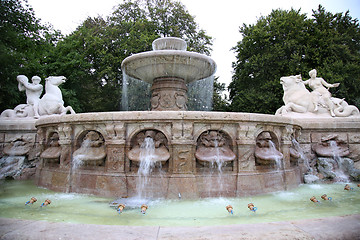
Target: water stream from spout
[(339, 171), (76, 163), (303, 156), (146, 167), (216, 170), (278, 162)]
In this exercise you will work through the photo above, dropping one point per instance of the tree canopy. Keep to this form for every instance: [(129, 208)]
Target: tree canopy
[(289, 43), (91, 56), (24, 44)]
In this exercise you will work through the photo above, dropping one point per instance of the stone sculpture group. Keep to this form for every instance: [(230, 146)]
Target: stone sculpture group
[(50, 103), (318, 102)]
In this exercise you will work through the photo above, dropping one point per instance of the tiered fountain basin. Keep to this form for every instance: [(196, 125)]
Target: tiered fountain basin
[(168, 68), (182, 173)]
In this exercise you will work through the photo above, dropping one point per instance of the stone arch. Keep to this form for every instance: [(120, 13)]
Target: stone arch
[(132, 136), (214, 147), (90, 148), (161, 151), (267, 150), (52, 150)]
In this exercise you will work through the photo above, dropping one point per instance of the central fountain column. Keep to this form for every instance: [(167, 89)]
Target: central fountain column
[(168, 94)]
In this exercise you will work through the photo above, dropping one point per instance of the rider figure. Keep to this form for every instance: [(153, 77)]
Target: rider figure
[(33, 91), (318, 86)]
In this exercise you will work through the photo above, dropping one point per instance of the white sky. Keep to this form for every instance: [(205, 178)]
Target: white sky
[(220, 19)]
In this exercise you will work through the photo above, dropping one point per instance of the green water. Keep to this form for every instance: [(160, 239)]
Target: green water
[(78, 208)]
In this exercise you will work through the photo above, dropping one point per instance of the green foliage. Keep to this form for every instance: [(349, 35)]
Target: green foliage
[(24, 44), (91, 56), (173, 20), (220, 103), (288, 43)]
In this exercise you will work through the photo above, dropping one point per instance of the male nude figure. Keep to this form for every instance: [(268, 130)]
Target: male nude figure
[(33, 91)]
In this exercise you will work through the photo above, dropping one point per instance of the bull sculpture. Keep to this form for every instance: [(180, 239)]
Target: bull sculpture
[(298, 99)]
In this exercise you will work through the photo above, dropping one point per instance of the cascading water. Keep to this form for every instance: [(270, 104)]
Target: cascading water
[(135, 94), (340, 169), (76, 163), (303, 156), (200, 94), (310, 175), (278, 159), (216, 165), (146, 167)]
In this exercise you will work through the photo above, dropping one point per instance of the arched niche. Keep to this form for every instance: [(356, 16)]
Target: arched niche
[(90, 150), (267, 154), (214, 150), (52, 151), (149, 145)]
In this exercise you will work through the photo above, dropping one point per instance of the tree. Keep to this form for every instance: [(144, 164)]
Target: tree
[(87, 59), (24, 44), (219, 102), (288, 43), (91, 56)]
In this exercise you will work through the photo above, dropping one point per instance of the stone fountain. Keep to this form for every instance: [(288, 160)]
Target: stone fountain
[(168, 69), (192, 154)]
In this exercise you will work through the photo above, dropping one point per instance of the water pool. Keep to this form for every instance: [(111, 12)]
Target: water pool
[(79, 208)]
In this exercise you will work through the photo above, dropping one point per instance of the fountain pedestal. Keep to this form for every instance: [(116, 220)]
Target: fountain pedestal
[(168, 94)]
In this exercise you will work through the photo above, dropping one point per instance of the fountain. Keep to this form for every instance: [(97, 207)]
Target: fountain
[(170, 152), (183, 153), (141, 157)]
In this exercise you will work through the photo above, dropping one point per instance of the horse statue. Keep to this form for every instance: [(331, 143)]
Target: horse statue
[(298, 99), (52, 101)]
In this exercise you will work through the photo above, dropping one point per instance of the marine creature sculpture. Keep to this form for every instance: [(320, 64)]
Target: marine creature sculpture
[(92, 150), (298, 99), (213, 147)]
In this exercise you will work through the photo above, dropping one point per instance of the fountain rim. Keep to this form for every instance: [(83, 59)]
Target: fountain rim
[(130, 116), (144, 59)]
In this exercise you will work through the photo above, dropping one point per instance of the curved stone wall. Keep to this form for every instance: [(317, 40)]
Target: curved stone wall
[(182, 173)]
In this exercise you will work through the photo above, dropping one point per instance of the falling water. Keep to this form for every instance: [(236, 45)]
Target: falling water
[(277, 158), (216, 170), (135, 95), (200, 94), (310, 176), (147, 165), (278, 162), (303, 156), (76, 163), (339, 171)]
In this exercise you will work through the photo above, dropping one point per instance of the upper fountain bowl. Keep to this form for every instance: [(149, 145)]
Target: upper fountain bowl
[(169, 59), (169, 43)]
